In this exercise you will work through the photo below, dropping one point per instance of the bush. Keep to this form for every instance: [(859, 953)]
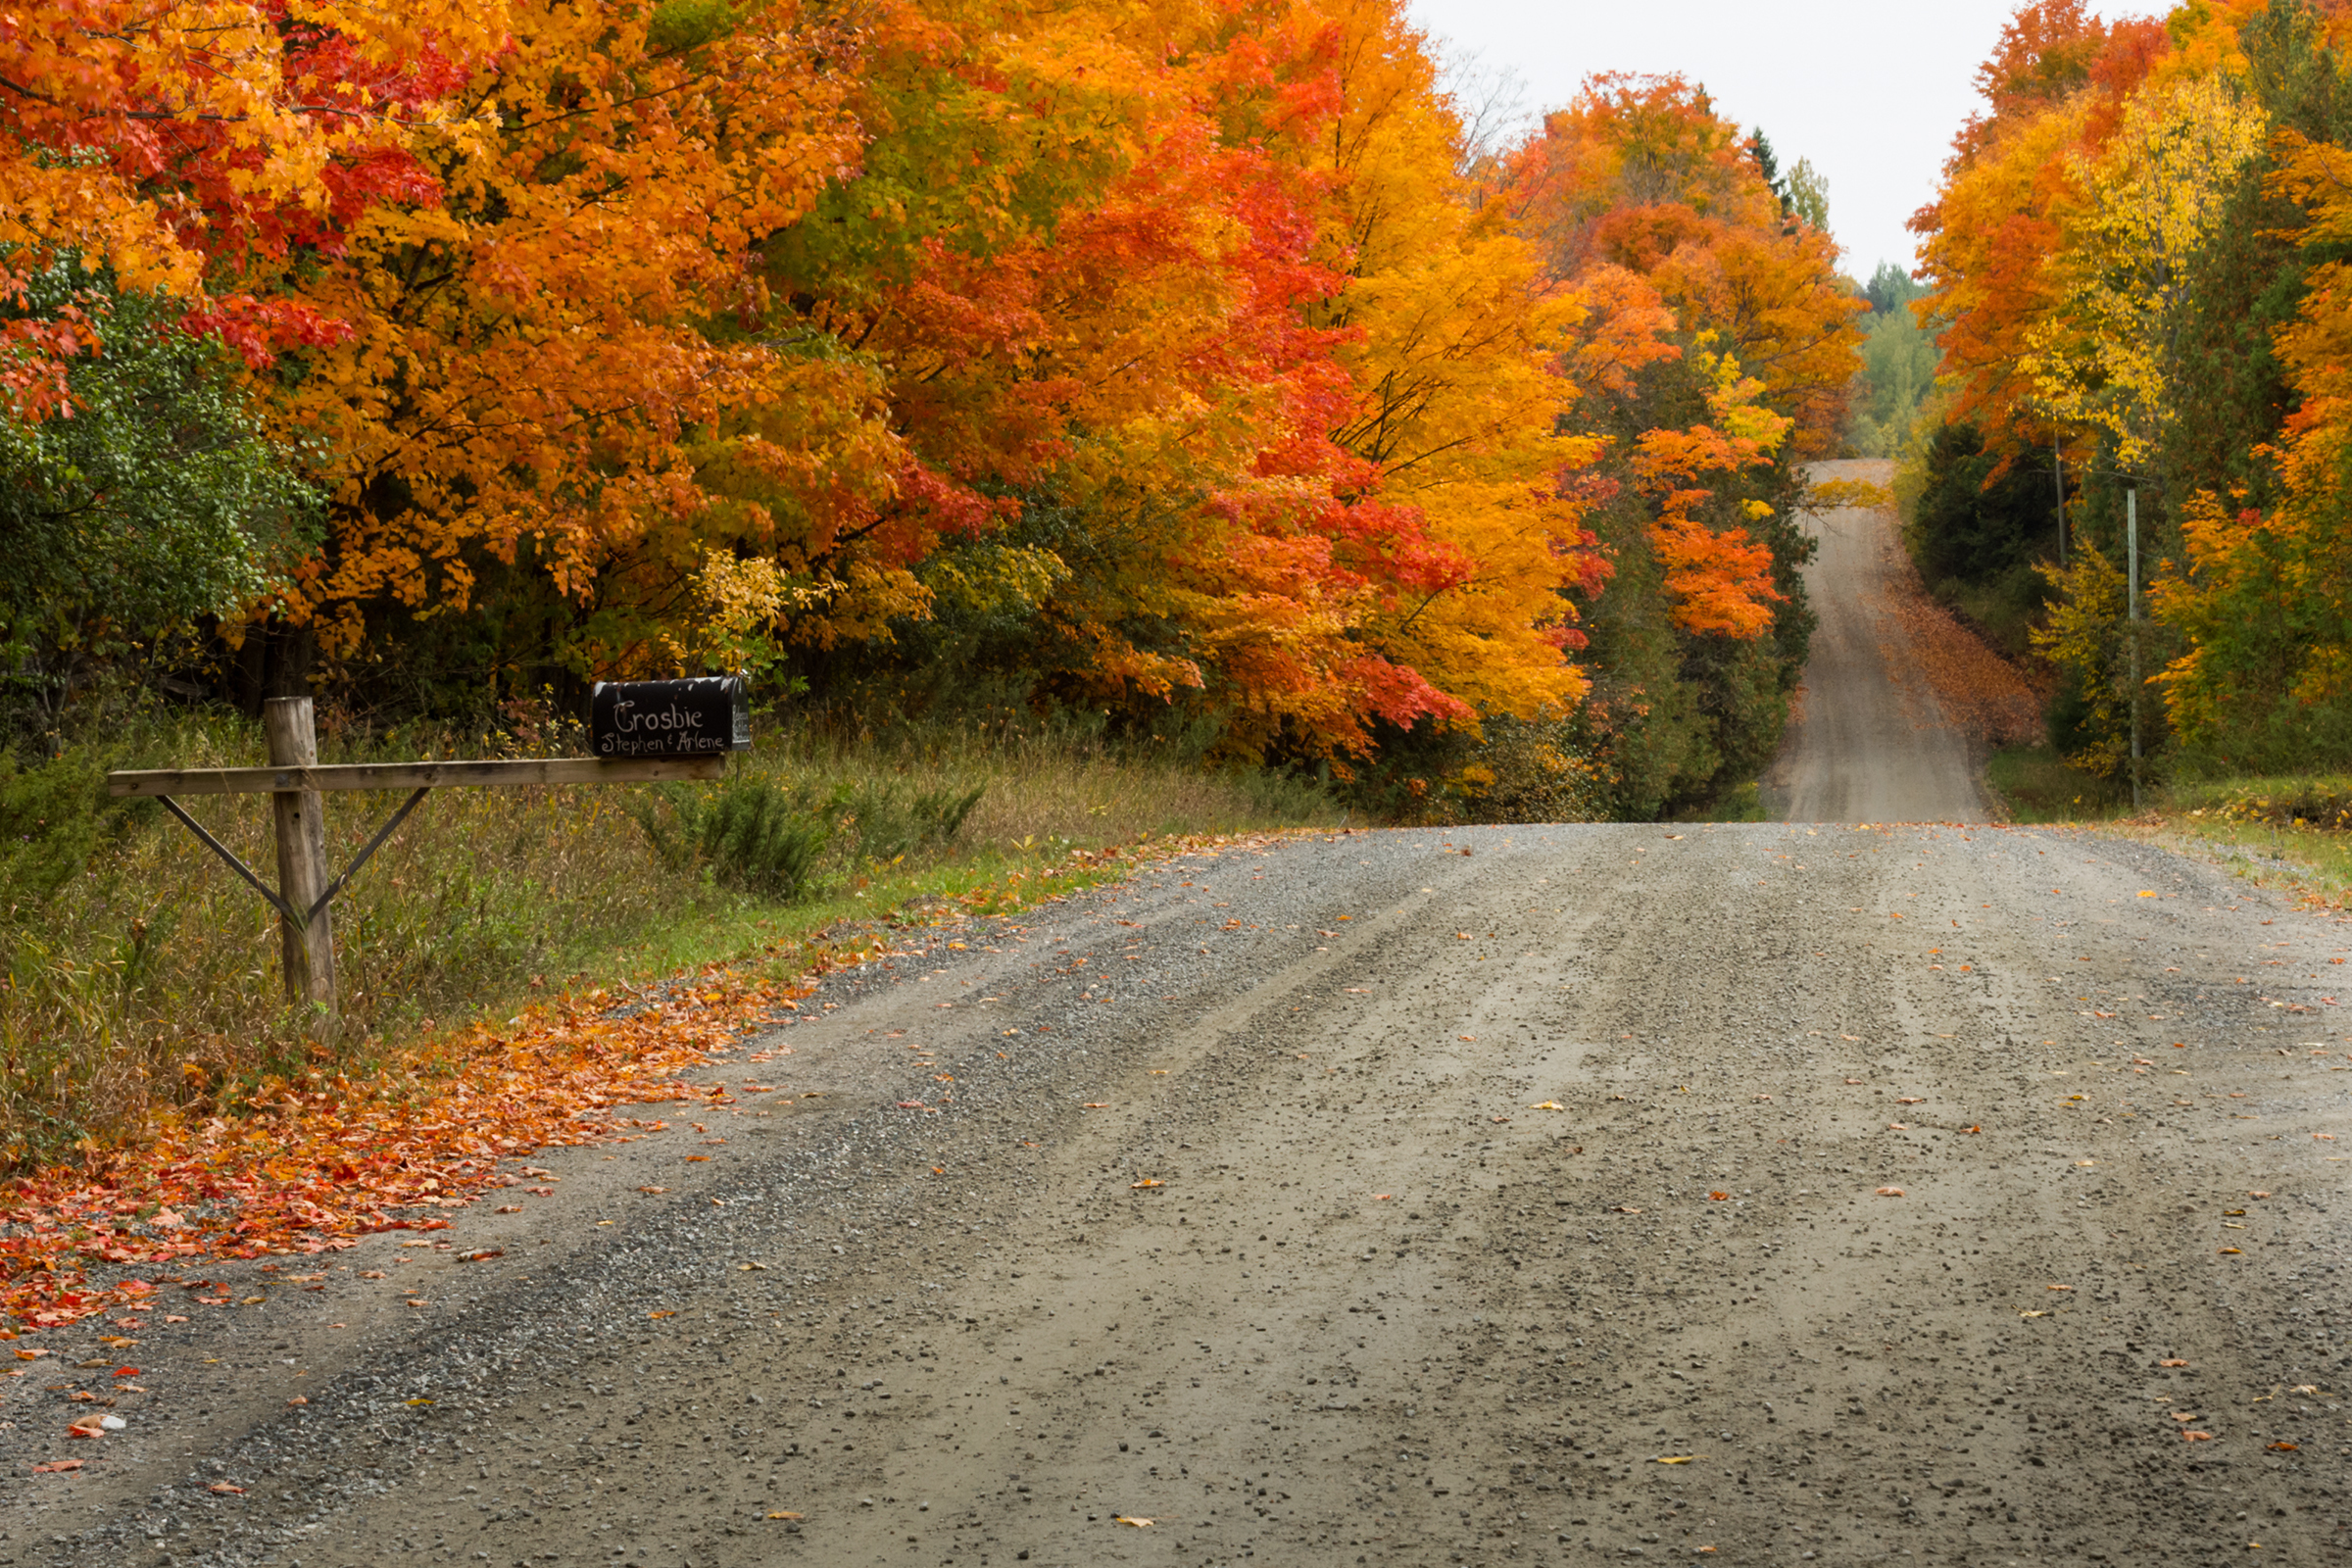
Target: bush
[(52, 820), (750, 833), (892, 820)]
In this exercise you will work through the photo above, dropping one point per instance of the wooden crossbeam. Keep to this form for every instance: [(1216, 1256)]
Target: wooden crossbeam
[(410, 775)]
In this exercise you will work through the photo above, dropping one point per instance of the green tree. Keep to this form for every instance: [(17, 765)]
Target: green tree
[(154, 501)]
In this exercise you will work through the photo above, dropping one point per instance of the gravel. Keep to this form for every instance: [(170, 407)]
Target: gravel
[(1224, 1200)]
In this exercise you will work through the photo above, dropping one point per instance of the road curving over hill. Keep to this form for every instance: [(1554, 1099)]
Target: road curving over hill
[(1867, 740), (1765, 1193)]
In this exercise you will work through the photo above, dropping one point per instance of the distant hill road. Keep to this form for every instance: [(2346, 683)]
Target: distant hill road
[(1868, 741)]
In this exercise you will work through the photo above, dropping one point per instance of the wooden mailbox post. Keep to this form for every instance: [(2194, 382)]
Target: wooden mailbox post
[(643, 731)]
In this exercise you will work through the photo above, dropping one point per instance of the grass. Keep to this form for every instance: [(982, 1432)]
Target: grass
[(2285, 831), (147, 983), (2291, 831), (1739, 803), (2034, 784)]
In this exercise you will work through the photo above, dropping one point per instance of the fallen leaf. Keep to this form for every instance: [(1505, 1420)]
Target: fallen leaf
[(2285, 1448), (1501, 1118), (298, 1400), (2258, 1194), (227, 1488), (371, 1274), (2240, 1250), (1549, 1105), (1897, 1127), (2038, 1313), (508, 1208), (57, 1467), (697, 1159), (1718, 1197), (1913, 1099), (1096, 1105), (1380, 1198), (1123, 1519), (1972, 1128), (1148, 1181), (666, 1312), (784, 1515), (652, 1189), (1676, 1459), (2171, 1364), (1890, 1192), (2196, 1437), (2057, 1287), (2184, 1416), (1851, 1037), (419, 1400), (482, 1255), (1623, 1208)]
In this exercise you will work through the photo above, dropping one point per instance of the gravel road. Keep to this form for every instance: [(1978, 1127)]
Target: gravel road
[(1375, 1301), (1767, 1194), (1867, 741)]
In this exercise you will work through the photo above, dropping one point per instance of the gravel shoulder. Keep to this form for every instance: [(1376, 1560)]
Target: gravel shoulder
[(1230, 1199)]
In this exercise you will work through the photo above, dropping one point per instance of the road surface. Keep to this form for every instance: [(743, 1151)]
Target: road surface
[(1497, 1196), (1867, 741)]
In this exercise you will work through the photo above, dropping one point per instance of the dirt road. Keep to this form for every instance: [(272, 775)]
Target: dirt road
[(1365, 1199), (1867, 741)]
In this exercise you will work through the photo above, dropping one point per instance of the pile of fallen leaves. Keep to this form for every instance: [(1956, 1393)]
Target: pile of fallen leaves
[(313, 1169), (1979, 690)]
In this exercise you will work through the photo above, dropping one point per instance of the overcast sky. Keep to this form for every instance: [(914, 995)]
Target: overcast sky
[(1872, 93)]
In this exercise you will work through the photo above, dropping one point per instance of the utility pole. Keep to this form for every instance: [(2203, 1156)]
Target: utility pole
[(2132, 624), (2058, 473)]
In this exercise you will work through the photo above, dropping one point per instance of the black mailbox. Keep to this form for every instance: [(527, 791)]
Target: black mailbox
[(670, 717)]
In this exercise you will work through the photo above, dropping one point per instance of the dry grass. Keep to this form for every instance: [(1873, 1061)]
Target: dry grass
[(150, 982)]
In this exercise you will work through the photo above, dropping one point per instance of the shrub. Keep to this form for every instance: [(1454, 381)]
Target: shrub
[(750, 833)]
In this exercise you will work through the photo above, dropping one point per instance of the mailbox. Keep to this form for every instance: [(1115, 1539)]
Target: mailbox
[(670, 717)]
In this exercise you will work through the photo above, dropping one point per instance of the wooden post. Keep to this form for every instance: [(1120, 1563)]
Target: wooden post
[(308, 940)]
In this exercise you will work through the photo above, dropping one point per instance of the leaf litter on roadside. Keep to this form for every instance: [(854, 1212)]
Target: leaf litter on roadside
[(319, 1166)]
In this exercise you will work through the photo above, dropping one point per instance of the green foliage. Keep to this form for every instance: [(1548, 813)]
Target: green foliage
[(156, 502), (892, 820), (1808, 194), (768, 834), (2036, 784), (1978, 523), (2090, 640), (1898, 365), (750, 833), (53, 819)]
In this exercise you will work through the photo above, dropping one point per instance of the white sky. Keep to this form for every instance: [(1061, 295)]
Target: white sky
[(1871, 92)]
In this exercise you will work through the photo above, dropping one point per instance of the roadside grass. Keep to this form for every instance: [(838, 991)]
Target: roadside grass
[(1740, 803), (2293, 832), (2288, 832), (140, 980), (2034, 784)]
